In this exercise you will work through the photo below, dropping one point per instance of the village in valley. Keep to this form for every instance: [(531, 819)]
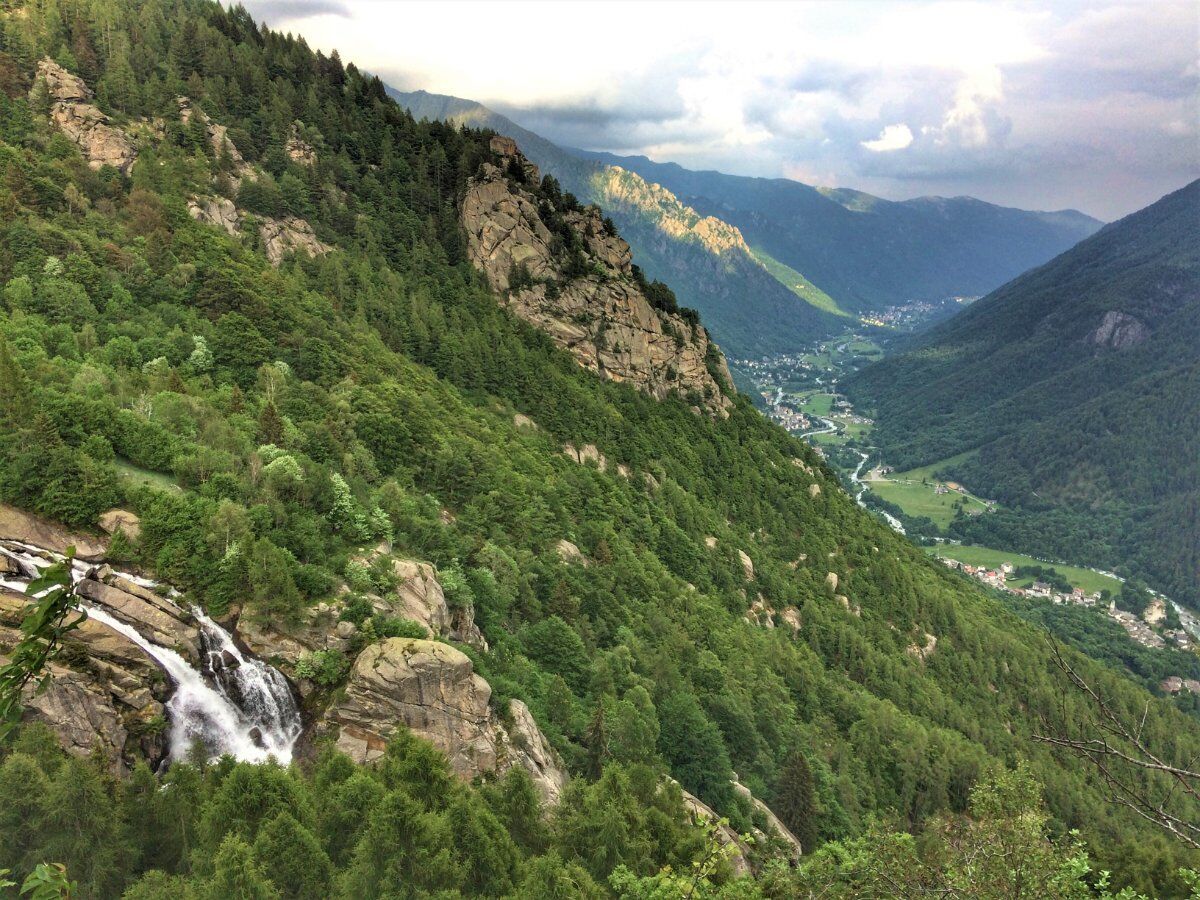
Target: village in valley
[(800, 392), (1141, 628)]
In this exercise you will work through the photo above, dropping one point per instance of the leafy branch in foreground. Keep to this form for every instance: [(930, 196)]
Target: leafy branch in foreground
[(42, 630), (1157, 790)]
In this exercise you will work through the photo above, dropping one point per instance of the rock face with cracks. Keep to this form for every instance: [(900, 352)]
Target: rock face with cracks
[(432, 689), (598, 312), (72, 111)]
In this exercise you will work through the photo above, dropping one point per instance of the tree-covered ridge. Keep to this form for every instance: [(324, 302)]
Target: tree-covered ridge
[(1079, 384), (153, 361)]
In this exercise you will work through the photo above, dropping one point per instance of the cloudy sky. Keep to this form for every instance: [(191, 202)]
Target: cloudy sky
[(1040, 105)]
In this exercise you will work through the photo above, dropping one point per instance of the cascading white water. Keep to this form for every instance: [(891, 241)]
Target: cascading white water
[(247, 711), (257, 690)]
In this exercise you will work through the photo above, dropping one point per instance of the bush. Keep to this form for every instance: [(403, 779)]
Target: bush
[(324, 667)]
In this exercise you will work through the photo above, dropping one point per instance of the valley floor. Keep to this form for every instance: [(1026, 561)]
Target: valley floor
[(801, 394)]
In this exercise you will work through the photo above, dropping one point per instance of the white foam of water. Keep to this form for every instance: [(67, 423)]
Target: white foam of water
[(200, 712), (263, 694), (247, 710)]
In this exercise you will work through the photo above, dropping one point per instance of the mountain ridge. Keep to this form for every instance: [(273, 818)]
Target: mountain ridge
[(1078, 383)]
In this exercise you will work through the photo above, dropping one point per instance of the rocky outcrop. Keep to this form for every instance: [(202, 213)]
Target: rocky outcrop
[(121, 520), (1119, 331), (154, 618), (738, 850), (299, 150), (280, 237), (747, 565), (419, 596), (924, 649), (72, 111), (775, 827), (588, 453), (524, 745), (218, 138), (597, 312), (289, 235), (18, 525), (218, 211), (429, 688), (319, 629), (762, 614), (570, 554), (104, 694)]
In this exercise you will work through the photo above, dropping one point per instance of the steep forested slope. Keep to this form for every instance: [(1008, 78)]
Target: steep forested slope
[(265, 337), (869, 253), (1079, 386)]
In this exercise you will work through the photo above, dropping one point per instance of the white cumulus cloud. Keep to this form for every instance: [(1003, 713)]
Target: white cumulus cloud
[(893, 137)]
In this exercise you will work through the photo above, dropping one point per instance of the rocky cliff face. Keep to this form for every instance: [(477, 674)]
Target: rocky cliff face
[(71, 109), (432, 689), (601, 316), (106, 695)]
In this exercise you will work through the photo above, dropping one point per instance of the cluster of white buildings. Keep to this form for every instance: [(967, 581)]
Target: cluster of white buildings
[(1173, 684), (1139, 628)]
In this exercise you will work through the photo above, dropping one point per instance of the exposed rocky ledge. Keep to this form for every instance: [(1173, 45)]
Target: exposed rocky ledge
[(602, 317), (289, 235), (19, 525), (1119, 331), (72, 110), (280, 237), (106, 695), (432, 689)]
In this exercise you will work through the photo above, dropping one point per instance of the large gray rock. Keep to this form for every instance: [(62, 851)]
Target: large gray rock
[(121, 520), (419, 596), (701, 813), (109, 687), (525, 746), (18, 525), (290, 234), (71, 109), (156, 621), (602, 317), (429, 688), (218, 211), (774, 824)]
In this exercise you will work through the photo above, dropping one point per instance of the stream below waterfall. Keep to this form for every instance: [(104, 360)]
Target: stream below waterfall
[(234, 704)]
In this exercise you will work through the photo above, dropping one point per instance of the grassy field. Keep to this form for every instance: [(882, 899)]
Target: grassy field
[(798, 284), (818, 404), (928, 471), (918, 499), (985, 556), (129, 471), (865, 348)]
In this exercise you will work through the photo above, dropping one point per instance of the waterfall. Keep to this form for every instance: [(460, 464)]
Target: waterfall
[(257, 690), (244, 708)]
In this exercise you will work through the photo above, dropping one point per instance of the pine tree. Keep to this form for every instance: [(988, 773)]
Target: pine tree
[(795, 800), (237, 875), (270, 425)]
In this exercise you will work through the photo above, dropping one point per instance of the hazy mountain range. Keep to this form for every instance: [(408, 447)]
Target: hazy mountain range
[(772, 263)]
